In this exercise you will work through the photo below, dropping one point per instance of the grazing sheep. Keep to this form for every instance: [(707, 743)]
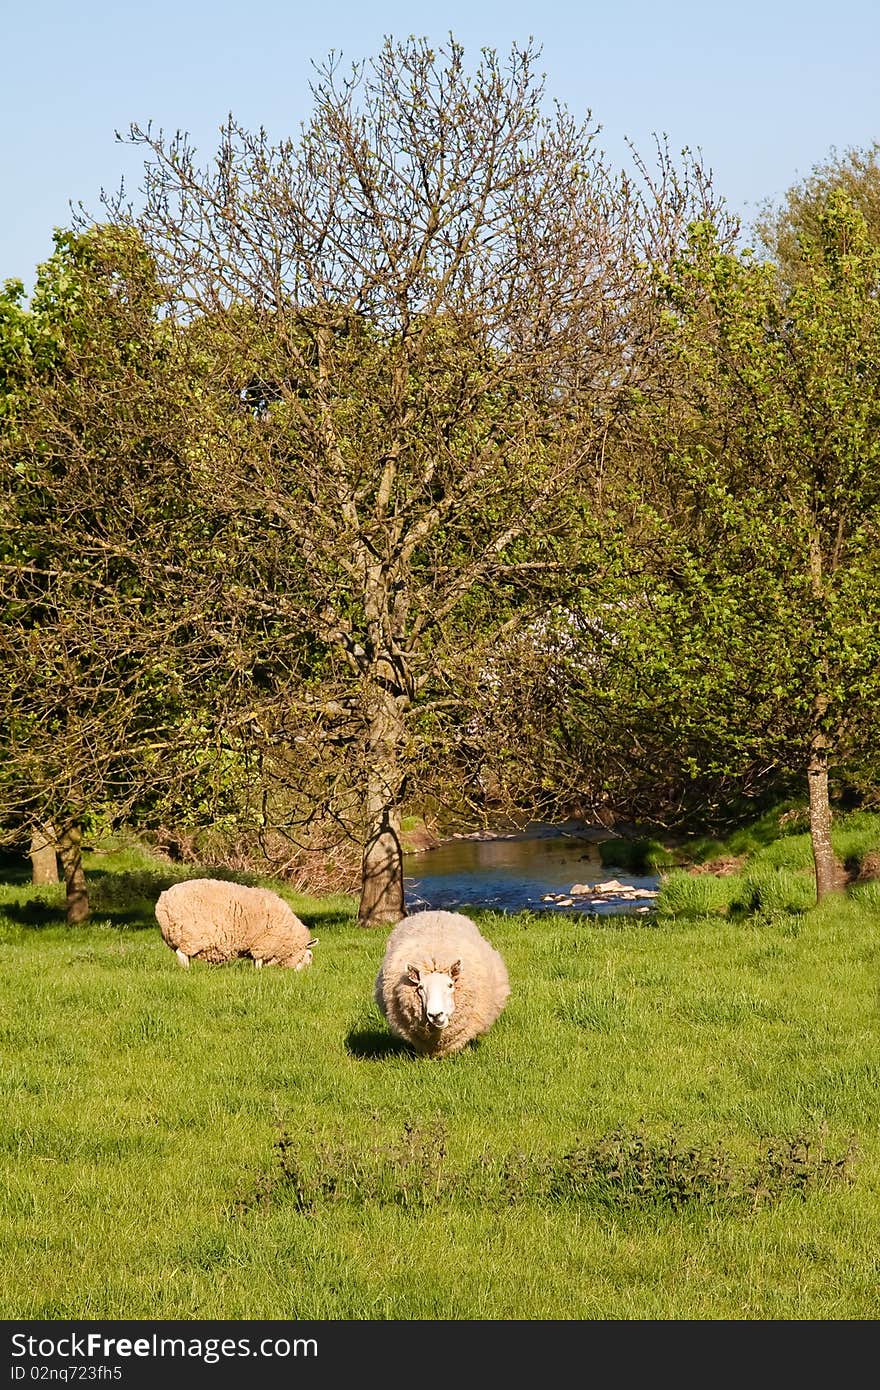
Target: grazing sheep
[(440, 983), (209, 919)]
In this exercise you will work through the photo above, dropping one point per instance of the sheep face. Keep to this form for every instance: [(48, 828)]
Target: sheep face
[(436, 991), (306, 958)]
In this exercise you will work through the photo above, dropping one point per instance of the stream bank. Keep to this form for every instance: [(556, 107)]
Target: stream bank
[(535, 868)]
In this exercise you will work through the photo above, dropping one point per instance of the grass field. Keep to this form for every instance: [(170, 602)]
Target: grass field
[(675, 1118)]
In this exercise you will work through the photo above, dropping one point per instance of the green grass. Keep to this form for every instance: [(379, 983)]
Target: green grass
[(867, 894), (639, 856), (766, 888), (776, 873), (674, 1118), (696, 895), (787, 845)]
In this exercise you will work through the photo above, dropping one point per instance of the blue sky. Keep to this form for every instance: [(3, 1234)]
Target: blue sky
[(763, 90)]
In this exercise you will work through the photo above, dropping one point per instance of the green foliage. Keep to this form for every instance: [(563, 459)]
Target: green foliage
[(739, 634), (109, 701), (778, 575), (786, 229)]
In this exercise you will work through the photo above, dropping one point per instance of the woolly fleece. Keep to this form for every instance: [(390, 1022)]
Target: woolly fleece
[(434, 941), (211, 920)]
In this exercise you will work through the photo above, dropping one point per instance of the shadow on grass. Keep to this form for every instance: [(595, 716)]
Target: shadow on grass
[(132, 881), (329, 916), (126, 898), (15, 869), (135, 919), (374, 1045), (36, 914)]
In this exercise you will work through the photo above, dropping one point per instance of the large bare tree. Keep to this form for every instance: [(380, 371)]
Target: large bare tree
[(420, 319)]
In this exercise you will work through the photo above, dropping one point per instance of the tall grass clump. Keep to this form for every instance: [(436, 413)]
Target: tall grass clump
[(867, 895), (764, 888), (696, 895), (853, 836), (704, 848)]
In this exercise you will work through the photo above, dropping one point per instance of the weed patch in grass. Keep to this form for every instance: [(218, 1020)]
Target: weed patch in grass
[(627, 1171), (620, 1171)]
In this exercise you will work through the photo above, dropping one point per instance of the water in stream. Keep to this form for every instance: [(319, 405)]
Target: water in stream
[(514, 872)]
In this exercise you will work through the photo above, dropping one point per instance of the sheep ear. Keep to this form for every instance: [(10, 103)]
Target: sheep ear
[(455, 969), (313, 942), (412, 974)]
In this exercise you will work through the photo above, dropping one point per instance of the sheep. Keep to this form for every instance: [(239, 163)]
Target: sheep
[(440, 983), (211, 920)]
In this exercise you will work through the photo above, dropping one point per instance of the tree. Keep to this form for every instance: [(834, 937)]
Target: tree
[(425, 313), (786, 230), (103, 703), (43, 852), (20, 345), (753, 615)]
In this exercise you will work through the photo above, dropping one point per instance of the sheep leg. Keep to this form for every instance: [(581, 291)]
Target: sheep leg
[(182, 957), (258, 963)]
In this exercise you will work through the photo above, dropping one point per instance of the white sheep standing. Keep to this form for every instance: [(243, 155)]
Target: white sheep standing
[(440, 983), (212, 920)]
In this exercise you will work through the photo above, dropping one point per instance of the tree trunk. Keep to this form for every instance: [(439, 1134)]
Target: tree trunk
[(830, 875), (382, 896), (382, 899), (43, 854), (70, 850)]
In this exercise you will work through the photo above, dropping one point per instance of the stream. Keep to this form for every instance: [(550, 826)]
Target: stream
[(515, 871)]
